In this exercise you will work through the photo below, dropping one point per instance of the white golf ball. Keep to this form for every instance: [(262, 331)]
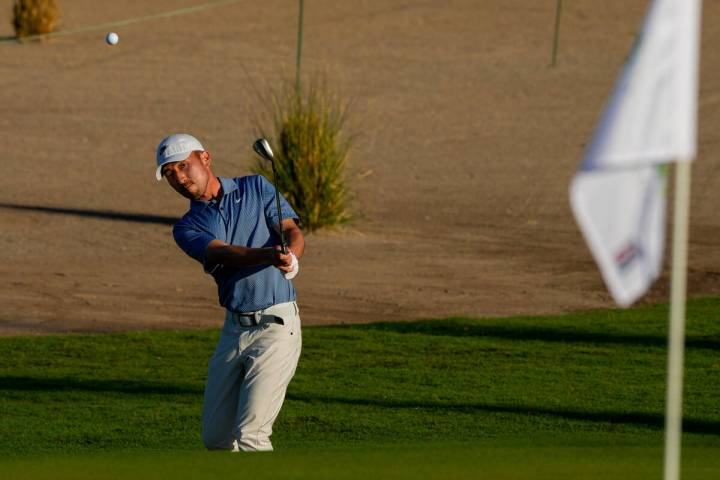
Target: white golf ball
[(112, 38)]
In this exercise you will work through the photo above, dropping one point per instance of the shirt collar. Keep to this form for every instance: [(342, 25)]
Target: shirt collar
[(227, 184)]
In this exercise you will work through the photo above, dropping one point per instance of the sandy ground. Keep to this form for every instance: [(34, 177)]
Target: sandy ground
[(465, 145)]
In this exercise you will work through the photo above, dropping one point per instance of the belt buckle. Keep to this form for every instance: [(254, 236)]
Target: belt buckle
[(246, 320)]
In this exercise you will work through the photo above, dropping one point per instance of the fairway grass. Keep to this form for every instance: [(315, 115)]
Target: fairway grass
[(412, 461), (521, 397)]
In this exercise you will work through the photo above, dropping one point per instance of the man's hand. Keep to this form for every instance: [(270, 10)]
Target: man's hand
[(294, 268), (283, 261)]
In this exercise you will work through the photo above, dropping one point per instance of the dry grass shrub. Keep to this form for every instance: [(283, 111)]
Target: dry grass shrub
[(35, 17), (310, 151)]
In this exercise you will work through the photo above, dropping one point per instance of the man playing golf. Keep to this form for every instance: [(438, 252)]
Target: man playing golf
[(232, 228)]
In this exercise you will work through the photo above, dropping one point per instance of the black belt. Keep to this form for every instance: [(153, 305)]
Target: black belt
[(255, 319)]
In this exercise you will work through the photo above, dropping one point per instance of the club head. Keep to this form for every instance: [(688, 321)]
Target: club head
[(262, 148)]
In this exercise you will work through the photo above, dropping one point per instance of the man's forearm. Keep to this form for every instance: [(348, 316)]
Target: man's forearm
[(295, 241), (237, 256)]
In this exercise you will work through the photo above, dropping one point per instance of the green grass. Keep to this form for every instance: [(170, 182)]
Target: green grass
[(499, 395), (453, 461)]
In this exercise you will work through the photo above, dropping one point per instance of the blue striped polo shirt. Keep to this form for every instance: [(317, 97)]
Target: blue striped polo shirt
[(244, 216)]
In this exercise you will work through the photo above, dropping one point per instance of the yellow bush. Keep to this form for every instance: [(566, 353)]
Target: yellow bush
[(33, 17), (310, 150)]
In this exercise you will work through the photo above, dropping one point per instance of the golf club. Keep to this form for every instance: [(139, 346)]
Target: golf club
[(262, 148)]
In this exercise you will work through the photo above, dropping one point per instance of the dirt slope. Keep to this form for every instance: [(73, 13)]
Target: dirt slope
[(466, 142)]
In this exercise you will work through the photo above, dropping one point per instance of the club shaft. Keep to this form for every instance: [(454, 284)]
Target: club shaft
[(279, 210)]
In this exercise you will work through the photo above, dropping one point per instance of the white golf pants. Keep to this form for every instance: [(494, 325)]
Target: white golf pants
[(247, 379)]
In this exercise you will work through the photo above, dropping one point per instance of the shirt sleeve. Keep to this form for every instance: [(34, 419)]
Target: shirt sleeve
[(268, 195), (194, 242)]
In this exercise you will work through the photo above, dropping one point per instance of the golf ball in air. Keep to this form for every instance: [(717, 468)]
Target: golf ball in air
[(112, 38)]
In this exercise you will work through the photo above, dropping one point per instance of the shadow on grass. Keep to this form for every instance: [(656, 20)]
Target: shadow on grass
[(107, 215), (65, 384), (657, 422), (460, 328)]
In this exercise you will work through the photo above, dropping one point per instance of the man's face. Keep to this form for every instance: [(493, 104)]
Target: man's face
[(189, 177)]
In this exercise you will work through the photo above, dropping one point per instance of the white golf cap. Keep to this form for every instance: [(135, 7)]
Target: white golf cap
[(175, 148)]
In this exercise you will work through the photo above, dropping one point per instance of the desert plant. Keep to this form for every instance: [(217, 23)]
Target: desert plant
[(34, 17), (310, 151)]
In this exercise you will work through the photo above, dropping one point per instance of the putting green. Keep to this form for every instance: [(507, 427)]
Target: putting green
[(441, 461), (573, 396)]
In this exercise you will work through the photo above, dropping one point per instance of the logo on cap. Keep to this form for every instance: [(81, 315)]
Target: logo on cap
[(179, 147)]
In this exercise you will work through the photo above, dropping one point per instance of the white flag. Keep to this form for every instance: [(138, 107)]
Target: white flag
[(618, 194)]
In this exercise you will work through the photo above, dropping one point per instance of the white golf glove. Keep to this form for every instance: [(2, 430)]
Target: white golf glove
[(295, 267)]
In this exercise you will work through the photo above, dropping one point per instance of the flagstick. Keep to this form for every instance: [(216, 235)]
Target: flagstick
[(676, 339)]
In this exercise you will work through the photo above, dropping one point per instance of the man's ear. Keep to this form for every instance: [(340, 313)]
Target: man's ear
[(205, 158)]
